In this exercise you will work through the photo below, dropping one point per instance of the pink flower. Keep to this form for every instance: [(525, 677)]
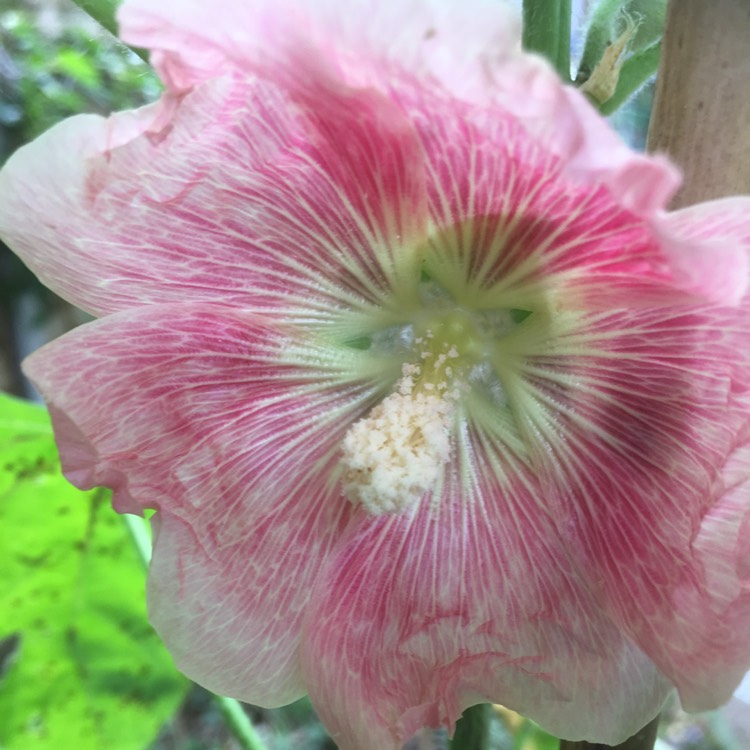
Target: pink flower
[(434, 400)]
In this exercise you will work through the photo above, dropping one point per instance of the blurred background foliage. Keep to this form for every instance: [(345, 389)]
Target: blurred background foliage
[(54, 69), (54, 62), (80, 667)]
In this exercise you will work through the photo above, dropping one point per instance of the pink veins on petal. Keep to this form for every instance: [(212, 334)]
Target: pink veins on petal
[(436, 403)]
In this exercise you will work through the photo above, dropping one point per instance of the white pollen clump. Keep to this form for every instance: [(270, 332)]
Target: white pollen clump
[(394, 455)]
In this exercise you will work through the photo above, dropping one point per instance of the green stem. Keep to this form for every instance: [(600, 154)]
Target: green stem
[(643, 740), (546, 31), (104, 12), (237, 720), (473, 728)]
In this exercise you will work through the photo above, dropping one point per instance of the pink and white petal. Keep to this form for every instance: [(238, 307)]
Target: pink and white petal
[(231, 618), (640, 435), (511, 227), (229, 425), (722, 549), (469, 597), (591, 153), (239, 197), (709, 244), (436, 39)]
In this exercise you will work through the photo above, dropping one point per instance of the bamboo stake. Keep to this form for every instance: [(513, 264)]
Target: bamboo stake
[(701, 114)]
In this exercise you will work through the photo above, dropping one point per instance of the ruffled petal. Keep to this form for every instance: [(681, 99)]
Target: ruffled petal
[(229, 425), (722, 553), (436, 39), (561, 118), (231, 194), (563, 122), (709, 246), (638, 425), (469, 597)]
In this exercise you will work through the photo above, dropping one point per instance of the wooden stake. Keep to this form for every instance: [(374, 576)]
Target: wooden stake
[(701, 114)]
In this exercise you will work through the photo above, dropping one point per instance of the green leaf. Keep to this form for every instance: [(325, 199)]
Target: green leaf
[(26, 448), (473, 729), (531, 737), (84, 667), (607, 23)]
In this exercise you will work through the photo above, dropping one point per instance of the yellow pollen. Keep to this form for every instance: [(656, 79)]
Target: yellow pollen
[(392, 457)]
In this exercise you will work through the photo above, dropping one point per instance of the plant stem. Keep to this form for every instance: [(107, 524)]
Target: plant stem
[(240, 724), (237, 720), (473, 728), (546, 31), (643, 740)]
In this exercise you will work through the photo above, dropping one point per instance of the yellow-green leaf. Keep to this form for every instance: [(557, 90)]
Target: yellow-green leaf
[(82, 668)]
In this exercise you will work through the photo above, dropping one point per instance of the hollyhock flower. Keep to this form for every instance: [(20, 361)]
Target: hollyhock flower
[(435, 402)]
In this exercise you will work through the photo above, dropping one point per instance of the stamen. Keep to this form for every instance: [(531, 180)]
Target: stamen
[(394, 456)]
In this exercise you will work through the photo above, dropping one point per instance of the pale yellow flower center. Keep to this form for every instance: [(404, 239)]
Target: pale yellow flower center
[(396, 454)]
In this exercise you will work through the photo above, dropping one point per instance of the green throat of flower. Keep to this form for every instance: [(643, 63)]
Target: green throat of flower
[(397, 453)]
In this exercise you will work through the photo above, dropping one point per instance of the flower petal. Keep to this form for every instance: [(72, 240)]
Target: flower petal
[(561, 118), (468, 598), (709, 245), (230, 194), (511, 226), (722, 549), (565, 123), (640, 427), (230, 427), (457, 45)]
